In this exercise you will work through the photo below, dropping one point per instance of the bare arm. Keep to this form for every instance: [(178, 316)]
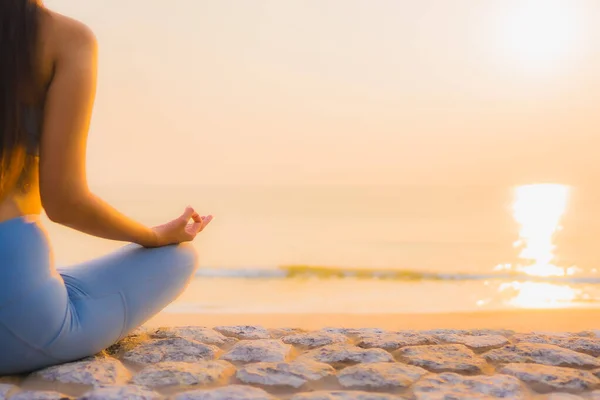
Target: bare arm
[(65, 195)]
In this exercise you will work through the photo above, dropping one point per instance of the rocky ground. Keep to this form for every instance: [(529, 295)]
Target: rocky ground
[(253, 363)]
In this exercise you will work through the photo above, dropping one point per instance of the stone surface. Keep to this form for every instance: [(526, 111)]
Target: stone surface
[(546, 354), (314, 339), (100, 371), (232, 392), (544, 378), (333, 363), (443, 358), (39, 395), (555, 334), (471, 332), (394, 341), (197, 333), (562, 396), (184, 374), (6, 389), (278, 333), (294, 374), (344, 395), (380, 376), (587, 345), (450, 386), (130, 341), (595, 395), (261, 350), (172, 349), (354, 332), (129, 392), (343, 354), (476, 343), (244, 332), (591, 333)]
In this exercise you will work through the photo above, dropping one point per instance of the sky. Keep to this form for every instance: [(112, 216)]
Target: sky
[(344, 91)]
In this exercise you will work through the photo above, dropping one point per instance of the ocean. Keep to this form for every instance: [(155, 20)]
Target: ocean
[(372, 249)]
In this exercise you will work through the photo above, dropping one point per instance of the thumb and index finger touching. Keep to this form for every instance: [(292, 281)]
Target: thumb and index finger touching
[(199, 222)]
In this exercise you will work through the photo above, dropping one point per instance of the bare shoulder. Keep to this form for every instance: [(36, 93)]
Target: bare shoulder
[(65, 36)]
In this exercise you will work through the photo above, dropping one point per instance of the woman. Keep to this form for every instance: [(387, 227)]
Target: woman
[(47, 90)]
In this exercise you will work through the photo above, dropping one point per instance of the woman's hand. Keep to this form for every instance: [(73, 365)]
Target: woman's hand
[(180, 229)]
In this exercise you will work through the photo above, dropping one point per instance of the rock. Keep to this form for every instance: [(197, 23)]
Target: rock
[(585, 345), (394, 341), (485, 332), (344, 395), (124, 345), (293, 374), (132, 340), (5, 390), (129, 392), (554, 334), (281, 332), (477, 343), (39, 395), (231, 392), (199, 334), (142, 331), (595, 395), (449, 386), (354, 332), (544, 378), (173, 349), (380, 376), (184, 374), (443, 358), (314, 339), (244, 332), (473, 332), (594, 333), (342, 354), (100, 371), (562, 396), (546, 354), (262, 350)]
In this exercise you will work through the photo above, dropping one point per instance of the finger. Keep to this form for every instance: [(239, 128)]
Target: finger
[(191, 230), (206, 220), (197, 227), (187, 214), (196, 217)]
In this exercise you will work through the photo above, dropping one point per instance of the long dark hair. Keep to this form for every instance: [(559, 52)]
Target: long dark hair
[(19, 27)]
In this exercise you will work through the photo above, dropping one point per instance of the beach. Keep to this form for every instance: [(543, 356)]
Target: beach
[(559, 320), (312, 295), (359, 294), (404, 199)]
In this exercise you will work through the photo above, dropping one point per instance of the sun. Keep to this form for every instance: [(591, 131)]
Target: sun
[(539, 34)]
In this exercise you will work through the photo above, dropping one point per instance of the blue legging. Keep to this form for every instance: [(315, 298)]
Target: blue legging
[(50, 316)]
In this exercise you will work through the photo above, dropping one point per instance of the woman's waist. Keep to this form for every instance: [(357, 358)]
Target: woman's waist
[(25, 256), (17, 205)]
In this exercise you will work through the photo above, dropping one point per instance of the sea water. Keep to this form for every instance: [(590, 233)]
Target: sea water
[(362, 249)]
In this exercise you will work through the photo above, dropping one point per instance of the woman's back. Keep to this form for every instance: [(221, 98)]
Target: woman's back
[(55, 39)]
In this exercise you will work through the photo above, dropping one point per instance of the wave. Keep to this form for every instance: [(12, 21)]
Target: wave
[(316, 272)]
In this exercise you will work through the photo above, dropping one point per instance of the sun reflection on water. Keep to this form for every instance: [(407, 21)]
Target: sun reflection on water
[(538, 210), (538, 295)]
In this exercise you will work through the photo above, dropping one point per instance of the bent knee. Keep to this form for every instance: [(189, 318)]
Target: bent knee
[(186, 257)]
